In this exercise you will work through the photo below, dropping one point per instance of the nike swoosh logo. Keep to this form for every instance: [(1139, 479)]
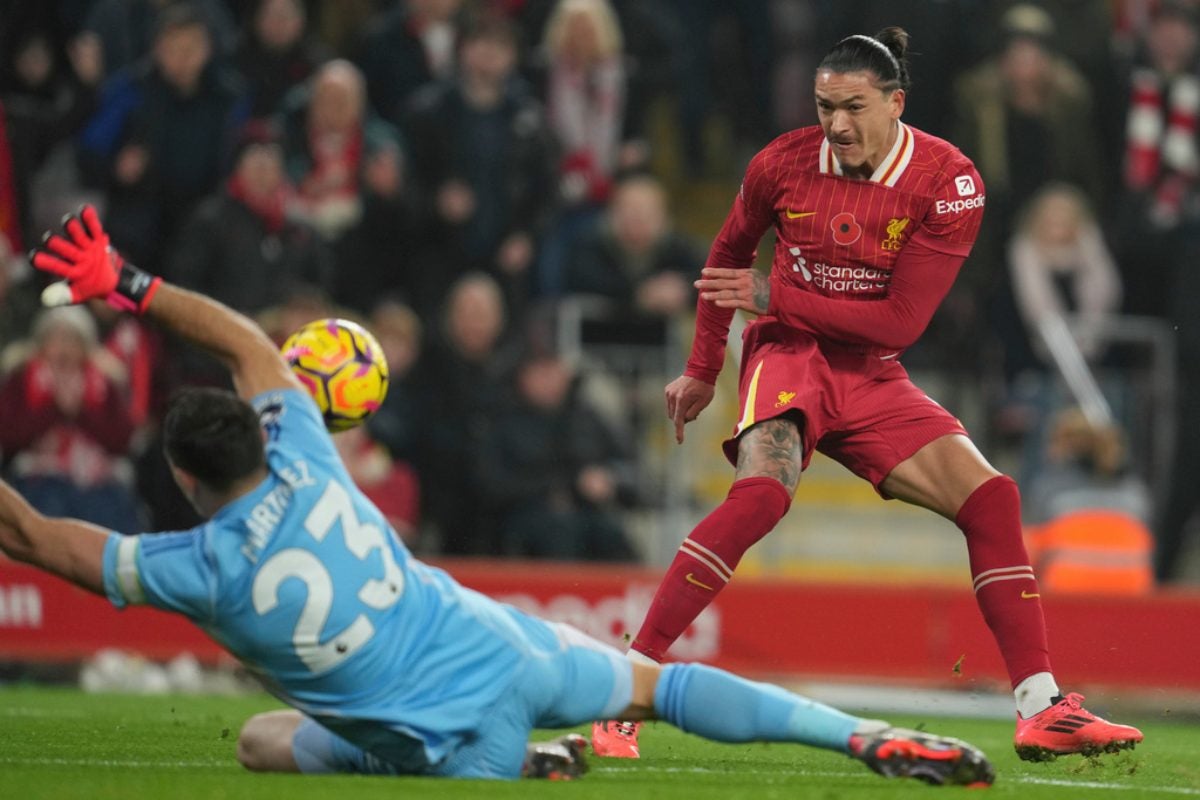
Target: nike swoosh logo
[(1029, 595), (798, 214), (692, 580)]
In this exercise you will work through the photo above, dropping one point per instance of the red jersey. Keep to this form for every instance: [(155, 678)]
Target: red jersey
[(858, 263)]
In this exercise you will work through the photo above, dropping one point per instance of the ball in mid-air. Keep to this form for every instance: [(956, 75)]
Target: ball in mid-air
[(342, 366)]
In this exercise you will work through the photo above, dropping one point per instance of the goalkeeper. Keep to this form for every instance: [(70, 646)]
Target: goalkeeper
[(389, 665)]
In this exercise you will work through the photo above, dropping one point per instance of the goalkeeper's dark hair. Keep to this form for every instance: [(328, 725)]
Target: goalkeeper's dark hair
[(214, 435), (885, 54)]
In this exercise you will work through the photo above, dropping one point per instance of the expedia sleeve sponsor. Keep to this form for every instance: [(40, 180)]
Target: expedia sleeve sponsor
[(958, 206)]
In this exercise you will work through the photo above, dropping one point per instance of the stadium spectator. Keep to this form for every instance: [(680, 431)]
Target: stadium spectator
[(391, 485), (1160, 207), (68, 429), (348, 168), (1088, 514), (1087, 467), (652, 49), (276, 54), (585, 87), (43, 102), (300, 306), (1157, 231), (18, 296), (1060, 264), (873, 219), (159, 141), (416, 675), (483, 163), (468, 361), (635, 258), (139, 352), (241, 246), (1024, 116), (408, 47), (553, 473), (126, 30), (1086, 35), (399, 423), (724, 81)]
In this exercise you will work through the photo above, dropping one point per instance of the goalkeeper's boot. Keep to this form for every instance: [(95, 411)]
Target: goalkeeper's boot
[(559, 759), (616, 739), (937, 760), (1067, 727)]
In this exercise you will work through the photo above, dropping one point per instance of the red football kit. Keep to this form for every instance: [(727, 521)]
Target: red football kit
[(859, 269), (860, 266)]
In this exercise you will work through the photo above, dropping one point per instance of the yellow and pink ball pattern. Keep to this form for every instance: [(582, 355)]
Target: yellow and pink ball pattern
[(342, 366)]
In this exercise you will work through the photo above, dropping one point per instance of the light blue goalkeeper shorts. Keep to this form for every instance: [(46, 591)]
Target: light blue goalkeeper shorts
[(583, 681)]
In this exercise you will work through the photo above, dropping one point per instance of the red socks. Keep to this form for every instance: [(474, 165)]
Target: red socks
[(990, 519), (707, 558), (1005, 587)]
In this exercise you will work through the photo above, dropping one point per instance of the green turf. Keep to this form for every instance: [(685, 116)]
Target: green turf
[(60, 743)]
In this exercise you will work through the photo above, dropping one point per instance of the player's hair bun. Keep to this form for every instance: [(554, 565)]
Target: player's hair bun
[(895, 39)]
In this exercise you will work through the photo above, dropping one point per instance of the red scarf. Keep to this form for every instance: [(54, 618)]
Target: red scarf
[(270, 209), (334, 173), (1161, 156)]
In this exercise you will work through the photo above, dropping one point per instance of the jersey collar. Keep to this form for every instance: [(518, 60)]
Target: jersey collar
[(888, 171)]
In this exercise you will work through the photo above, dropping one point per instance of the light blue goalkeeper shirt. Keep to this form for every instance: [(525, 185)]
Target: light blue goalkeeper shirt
[(304, 581)]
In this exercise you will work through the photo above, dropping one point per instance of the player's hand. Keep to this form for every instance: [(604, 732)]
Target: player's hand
[(83, 255), (747, 289), (686, 398)]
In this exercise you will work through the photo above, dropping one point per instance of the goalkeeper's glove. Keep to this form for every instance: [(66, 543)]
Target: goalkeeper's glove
[(91, 267)]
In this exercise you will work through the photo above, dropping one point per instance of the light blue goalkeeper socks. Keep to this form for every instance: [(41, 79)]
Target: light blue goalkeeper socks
[(717, 705)]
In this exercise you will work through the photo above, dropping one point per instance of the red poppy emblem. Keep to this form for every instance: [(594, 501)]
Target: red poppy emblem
[(846, 229)]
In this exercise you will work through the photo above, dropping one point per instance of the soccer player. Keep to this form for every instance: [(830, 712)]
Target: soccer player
[(390, 666), (872, 220)]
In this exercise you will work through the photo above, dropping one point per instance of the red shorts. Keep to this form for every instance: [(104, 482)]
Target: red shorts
[(860, 410)]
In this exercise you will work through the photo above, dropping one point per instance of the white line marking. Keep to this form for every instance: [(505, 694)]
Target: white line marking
[(113, 762), (1132, 787), (26, 711), (611, 771)]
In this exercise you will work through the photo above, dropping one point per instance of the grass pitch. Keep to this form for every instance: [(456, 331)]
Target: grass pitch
[(61, 743)]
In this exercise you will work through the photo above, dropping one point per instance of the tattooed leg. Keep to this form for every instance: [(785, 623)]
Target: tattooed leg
[(772, 449), (769, 458)]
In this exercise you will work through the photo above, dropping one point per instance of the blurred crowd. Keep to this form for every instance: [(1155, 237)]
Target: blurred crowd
[(451, 172)]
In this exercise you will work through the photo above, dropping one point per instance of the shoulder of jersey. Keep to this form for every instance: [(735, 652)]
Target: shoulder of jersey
[(936, 155), (800, 139)]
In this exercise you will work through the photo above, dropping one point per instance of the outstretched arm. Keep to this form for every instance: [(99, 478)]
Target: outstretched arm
[(920, 280), (235, 340), (92, 269), (65, 547)]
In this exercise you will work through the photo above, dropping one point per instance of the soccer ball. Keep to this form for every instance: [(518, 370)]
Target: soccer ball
[(342, 366)]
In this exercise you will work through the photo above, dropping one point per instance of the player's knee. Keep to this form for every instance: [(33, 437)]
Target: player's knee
[(264, 745), (251, 748)]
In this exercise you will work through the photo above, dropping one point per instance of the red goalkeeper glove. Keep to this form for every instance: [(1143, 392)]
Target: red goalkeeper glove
[(83, 256)]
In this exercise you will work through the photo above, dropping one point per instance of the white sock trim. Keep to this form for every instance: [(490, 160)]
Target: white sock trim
[(1035, 694), (640, 658)]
